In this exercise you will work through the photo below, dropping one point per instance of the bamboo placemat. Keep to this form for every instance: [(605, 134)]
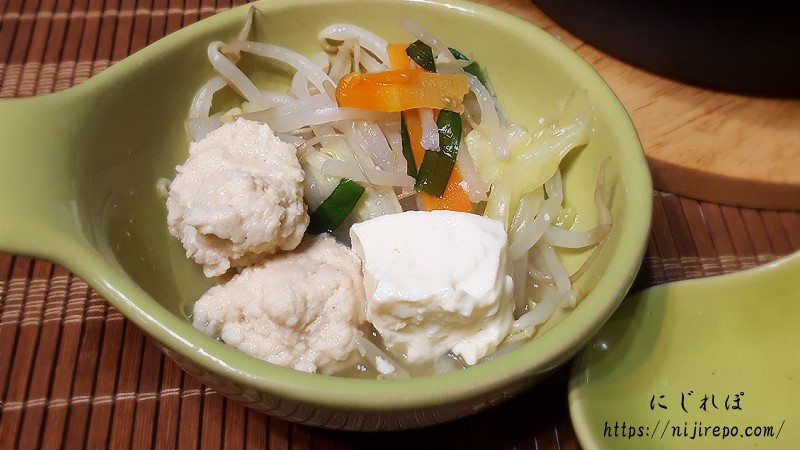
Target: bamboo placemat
[(74, 373)]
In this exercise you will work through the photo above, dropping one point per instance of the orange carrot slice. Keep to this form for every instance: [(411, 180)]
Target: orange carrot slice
[(455, 198), (402, 89), (398, 59)]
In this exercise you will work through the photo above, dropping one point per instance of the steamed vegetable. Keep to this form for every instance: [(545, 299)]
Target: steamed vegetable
[(396, 52), (436, 167), (473, 68), (408, 150), (452, 196), (402, 89), (335, 209), (532, 160), (422, 54), (382, 126)]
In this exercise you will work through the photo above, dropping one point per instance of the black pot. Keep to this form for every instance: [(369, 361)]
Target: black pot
[(748, 47)]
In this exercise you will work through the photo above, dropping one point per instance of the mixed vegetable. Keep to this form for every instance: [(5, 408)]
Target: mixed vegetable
[(385, 126)]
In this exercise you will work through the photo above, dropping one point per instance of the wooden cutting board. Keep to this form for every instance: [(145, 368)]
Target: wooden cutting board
[(704, 144)]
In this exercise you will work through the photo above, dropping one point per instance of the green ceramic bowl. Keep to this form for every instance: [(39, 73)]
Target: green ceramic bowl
[(80, 168)]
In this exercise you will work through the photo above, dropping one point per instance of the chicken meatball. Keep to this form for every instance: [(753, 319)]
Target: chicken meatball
[(238, 197)]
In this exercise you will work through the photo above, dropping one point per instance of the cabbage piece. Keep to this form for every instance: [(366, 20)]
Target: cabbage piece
[(318, 185), (533, 159)]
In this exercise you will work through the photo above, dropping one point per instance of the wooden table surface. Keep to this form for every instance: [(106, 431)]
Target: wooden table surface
[(74, 373)]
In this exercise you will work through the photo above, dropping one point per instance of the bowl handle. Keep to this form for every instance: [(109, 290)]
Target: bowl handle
[(39, 141)]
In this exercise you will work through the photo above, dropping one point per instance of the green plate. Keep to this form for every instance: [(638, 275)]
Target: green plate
[(711, 363)]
